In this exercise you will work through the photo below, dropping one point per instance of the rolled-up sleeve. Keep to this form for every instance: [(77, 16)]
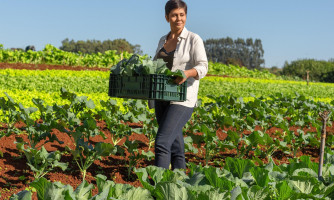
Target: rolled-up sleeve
[(200, 58)]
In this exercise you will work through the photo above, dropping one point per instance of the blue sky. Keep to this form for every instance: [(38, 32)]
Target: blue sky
[(289, 29)]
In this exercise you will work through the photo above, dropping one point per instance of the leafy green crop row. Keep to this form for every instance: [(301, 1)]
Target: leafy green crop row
[(52, 84), (247, 87), (277, 111), (226, 111), (54, 73), (55, 56), (236, 71), (86, 82), (25, 97), (239, 179)]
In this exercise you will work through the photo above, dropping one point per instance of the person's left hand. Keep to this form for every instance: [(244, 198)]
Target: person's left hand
[(187, 73), (179, 80)]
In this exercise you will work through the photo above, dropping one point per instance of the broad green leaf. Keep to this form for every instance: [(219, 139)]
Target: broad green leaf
[(197, 179), (233, 136), (188, 145), (328, 191), (238, 166), (149, 155), (54, 191), (174, 176), (83, 191), (137, 194), (104, 149), (143, 178), (101, 181), (213, 195), (327, 173), (22, 195), (270, 165), (284, 190), (261, 176), (171, 191), (227, 121), (118, 190), (239, 182), (305, 172), (197, 189), (304, 162), (248, 178), (179, 73), (218, 182), (255, 138), (40, 185), (268, 141), (10, 98), (258, 193), (69, 193), (277, 176), (303, 184), (329, 159), (61, 165), (236, 194), (156, 173)]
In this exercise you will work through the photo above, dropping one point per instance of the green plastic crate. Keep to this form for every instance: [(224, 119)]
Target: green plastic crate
[(153, 86)]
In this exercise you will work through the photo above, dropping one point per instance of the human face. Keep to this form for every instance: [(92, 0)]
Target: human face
[(177, 19)]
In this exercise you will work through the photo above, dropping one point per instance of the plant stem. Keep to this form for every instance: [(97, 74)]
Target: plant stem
[(83, 175)]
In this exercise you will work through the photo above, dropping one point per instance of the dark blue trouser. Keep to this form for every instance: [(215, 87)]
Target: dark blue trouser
[(169, 143)]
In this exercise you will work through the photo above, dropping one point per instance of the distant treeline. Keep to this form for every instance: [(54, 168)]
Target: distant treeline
[(319, 70), (241, 52), (95, 46)]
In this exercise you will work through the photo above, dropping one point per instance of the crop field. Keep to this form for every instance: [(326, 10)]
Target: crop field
[(62, 137)]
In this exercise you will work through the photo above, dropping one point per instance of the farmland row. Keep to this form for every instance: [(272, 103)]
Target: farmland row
[(240, 177), (94, 84), (256, 121), (222, 112), (54, 56)]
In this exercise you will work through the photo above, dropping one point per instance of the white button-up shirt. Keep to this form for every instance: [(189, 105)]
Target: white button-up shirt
[(189, 53)]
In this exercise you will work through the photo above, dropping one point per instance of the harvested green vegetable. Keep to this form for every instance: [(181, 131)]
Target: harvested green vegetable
[(136, 66)]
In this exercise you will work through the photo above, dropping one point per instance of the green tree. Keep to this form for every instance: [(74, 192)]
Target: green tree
[(240, 52), (319, 70), (95, 46)]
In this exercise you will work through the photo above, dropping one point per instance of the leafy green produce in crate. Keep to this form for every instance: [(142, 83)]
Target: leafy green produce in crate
[(139, 66)]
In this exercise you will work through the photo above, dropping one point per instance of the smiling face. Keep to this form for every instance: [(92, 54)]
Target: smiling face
[(177, 19)]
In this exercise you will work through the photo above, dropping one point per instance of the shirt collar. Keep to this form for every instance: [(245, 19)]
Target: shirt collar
[(183, 34)]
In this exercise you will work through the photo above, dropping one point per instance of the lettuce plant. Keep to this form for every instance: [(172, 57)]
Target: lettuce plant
[(9, 110), (38, 159)]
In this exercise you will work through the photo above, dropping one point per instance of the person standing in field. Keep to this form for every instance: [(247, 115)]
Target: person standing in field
[(183, 50)]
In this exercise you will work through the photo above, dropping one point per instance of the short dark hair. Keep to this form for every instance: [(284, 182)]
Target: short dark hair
[(173, 4)]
